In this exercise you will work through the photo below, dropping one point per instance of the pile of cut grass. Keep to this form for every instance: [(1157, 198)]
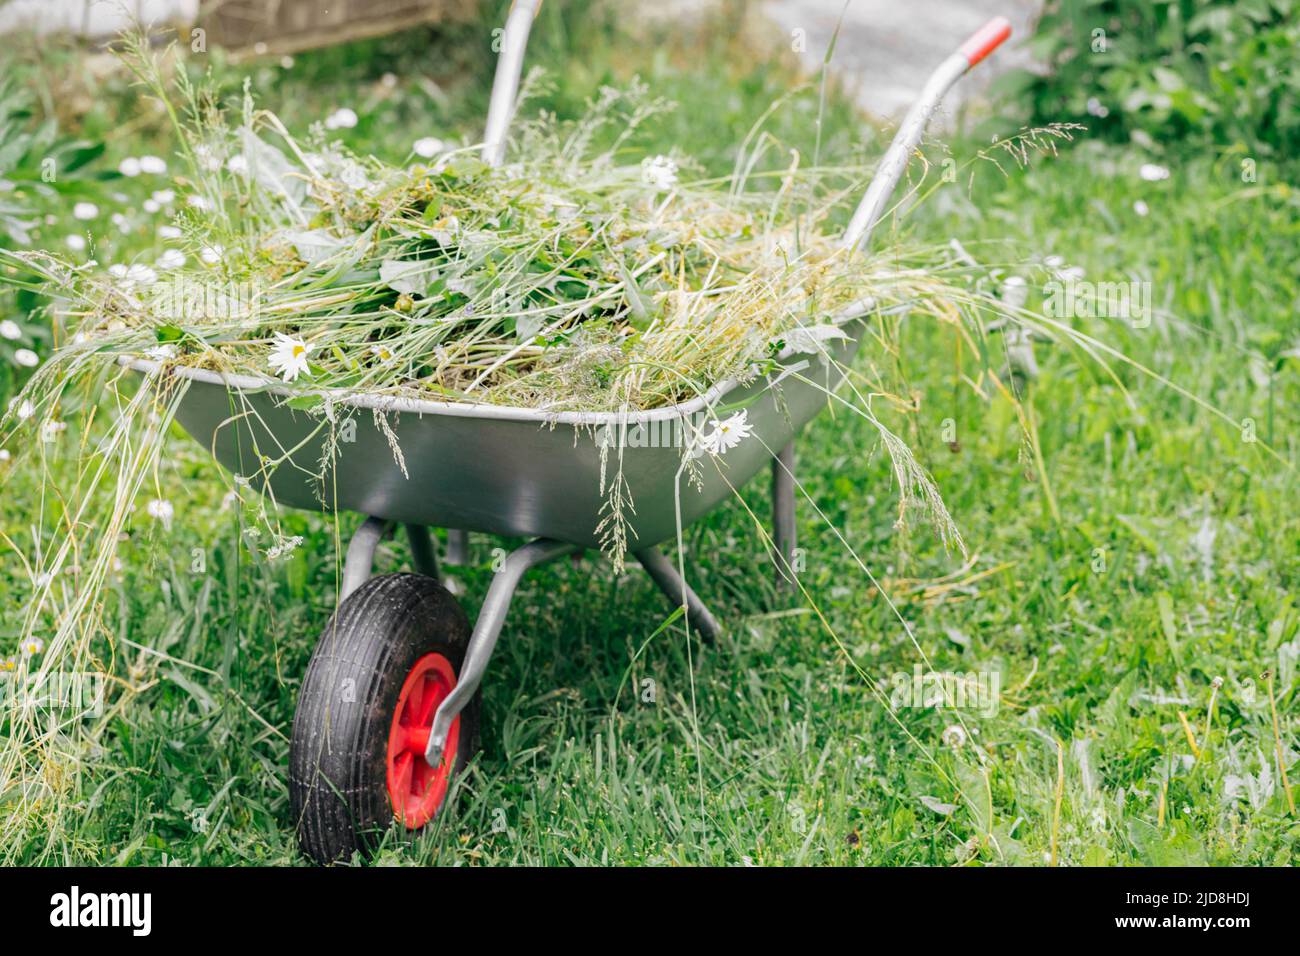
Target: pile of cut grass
[(564, 280)]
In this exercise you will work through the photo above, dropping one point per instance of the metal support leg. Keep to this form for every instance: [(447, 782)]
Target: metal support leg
[(361, 554), (663, 573), (457, 547), (783, 531), (422, 555), (486, 631)]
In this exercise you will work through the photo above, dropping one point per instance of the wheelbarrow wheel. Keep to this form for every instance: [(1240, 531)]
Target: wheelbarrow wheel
[(388, 657)]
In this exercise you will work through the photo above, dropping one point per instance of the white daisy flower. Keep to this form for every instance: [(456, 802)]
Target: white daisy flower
[(382, 353), (428, 147), (85, 210), (286, 62), (161, 510), (1141, 208), (353, 175), (208, 159), (4, 454), (26, 358), (727, 434), (76, 243), (237, 164), (129, 167), (659, 172), (1153, 173), (51, 430), (211, 254), (342, 118), (198, 202), (169, 232), (1097, 108), (163, 196), (9, 329), (33, 646), (289, 356), (151, 206), (1015, 292), (153, 164), (171, 259), (130, 276), (23, 410), (160, 353), (122, 223)]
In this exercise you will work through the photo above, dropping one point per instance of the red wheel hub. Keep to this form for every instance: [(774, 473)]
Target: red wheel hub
[(415, 788)]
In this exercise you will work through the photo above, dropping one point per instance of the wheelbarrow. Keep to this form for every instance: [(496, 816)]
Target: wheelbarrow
[(388, 712)]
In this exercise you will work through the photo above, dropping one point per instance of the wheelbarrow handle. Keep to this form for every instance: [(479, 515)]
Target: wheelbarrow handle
[(505, 83), (985, 40), (980, 44)]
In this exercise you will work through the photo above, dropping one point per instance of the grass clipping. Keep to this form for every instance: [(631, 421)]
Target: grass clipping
[(561, 281), (568, 279)]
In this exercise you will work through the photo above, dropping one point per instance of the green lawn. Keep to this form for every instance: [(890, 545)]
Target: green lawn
[(1152, 552)]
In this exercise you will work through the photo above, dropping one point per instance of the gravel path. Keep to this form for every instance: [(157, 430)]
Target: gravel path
[(887, 48)]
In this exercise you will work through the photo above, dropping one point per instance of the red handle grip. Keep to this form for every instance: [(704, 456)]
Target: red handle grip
[(985, 40)]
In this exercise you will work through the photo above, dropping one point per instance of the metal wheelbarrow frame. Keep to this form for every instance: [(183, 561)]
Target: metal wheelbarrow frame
[(521, 472)]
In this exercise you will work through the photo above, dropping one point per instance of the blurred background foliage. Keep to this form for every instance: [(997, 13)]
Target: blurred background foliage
[(1170, 72)]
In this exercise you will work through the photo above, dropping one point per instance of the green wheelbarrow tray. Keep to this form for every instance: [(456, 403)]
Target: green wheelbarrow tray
[(507, 471)]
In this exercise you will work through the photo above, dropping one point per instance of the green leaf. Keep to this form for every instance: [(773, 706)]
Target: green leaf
[(1169, 626), (78, 155), (315, 246), (269, 168), (410, 276), (528, 325)]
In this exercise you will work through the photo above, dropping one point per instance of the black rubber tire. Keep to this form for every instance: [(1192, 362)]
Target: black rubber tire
[(337, 783)]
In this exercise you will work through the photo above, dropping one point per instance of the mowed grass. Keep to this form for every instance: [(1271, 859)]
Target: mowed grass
[(1154, 552)]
